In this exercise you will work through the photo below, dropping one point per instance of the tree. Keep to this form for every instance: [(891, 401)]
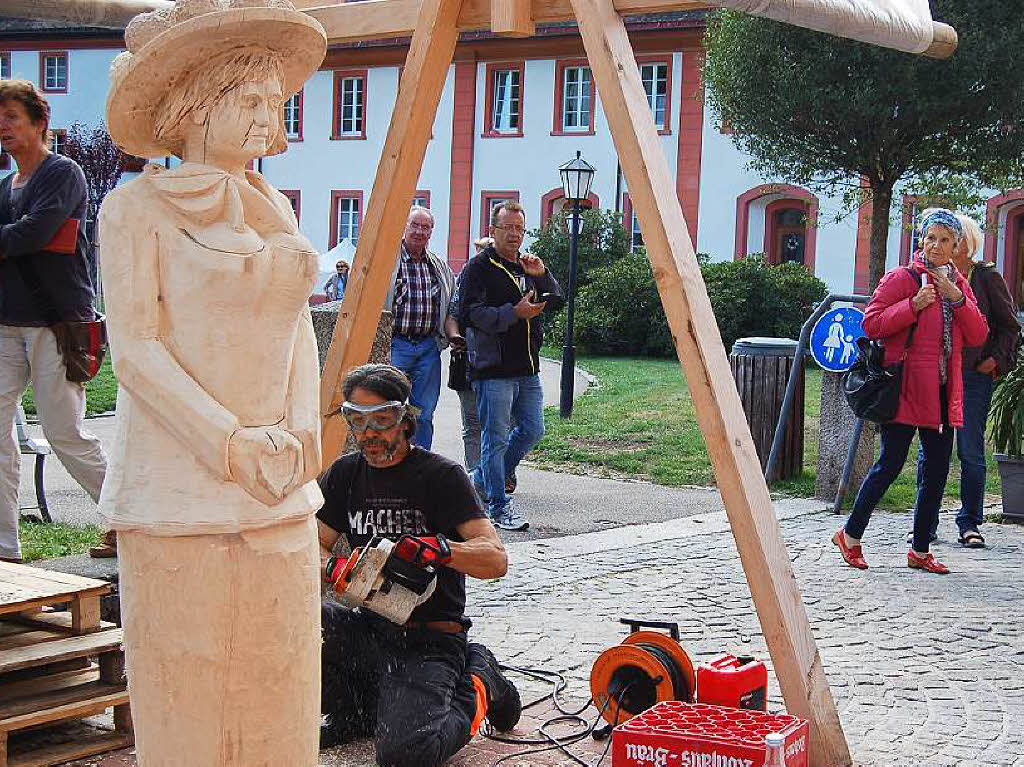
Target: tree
[(828, 113), (103, 164)]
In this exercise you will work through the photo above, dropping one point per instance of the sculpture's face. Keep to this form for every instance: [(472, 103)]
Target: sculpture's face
[(242, 125)]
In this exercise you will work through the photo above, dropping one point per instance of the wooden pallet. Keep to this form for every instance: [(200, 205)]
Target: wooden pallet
[(47, 668)]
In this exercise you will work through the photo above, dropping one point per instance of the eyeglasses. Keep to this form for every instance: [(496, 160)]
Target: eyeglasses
[(421, 227), (512, 229), (380, 417)]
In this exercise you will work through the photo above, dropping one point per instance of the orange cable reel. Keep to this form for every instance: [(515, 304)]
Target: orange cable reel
[(649, 667)]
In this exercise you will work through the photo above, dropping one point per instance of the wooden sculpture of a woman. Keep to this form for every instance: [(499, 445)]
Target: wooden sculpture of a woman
[(211, 487)]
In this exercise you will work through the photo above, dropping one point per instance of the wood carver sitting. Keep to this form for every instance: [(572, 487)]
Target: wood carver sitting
[(212, 482)]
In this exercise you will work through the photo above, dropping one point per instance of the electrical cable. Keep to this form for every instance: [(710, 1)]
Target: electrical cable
[(549, 741)]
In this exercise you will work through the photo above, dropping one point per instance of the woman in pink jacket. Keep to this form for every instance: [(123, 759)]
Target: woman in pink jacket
[(932, 300)]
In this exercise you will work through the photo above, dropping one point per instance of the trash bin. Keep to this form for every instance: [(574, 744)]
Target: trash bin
[(761, 368)]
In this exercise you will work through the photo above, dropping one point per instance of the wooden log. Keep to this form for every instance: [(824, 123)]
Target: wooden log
[(512, 18), (716, 402), (430, 55)]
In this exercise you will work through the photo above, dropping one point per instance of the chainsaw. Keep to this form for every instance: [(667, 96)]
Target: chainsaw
[(390, 578)]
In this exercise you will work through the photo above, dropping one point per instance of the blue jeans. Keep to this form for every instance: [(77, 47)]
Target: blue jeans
[(970, 448), (421, 361), (936, 449), (498, 402)]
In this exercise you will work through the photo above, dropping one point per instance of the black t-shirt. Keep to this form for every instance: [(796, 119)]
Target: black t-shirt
[(425, 494)]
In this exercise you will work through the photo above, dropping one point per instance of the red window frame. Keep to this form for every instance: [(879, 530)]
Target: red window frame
[(557, 127), (56, 133), (493, 68), (43, 56), (5, 59), (295, 195), (627, 219), (488, 197), (421, 194), (343, 194), (339, 75), (665, 59), (301, 95), (547, 203)]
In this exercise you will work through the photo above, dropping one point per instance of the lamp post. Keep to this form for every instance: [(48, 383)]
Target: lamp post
[(577, 174)]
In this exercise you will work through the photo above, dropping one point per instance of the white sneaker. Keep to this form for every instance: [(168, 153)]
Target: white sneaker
[(511, 519)]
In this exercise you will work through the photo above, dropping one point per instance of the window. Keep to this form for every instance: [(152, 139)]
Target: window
[(346, 216), (293, 117), (294, 196), (5, 65), (53, 72), (574, 98), (787, 232), (58, 141), (421, 199), (656, 76), (488, 202), (349, 105), (504, 100), (631, 222)]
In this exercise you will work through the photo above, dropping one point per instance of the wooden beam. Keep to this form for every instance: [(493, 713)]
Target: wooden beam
[(430, 56), (90, 13), (716, 401), (376, 19), (512, 18)]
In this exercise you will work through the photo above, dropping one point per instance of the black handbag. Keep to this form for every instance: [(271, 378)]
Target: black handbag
[(458, 371), (872, 388)]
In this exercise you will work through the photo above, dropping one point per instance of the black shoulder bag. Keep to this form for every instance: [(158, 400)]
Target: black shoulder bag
[(872, 388)]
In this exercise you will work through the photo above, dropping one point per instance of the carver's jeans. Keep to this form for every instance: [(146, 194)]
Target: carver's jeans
[(499, 401), (421, 361), (409, 689), (936, 449), (970, 448)]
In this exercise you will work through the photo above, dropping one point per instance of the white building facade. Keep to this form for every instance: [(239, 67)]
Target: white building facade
[(511, 112)]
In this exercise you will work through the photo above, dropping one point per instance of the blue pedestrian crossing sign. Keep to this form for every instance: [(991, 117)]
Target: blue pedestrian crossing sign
[(834, 338)]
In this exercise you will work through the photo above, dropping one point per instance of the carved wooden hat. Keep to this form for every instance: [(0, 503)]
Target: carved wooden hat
[(167, 46)]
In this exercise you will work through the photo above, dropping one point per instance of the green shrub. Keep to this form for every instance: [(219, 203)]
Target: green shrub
[(753, 298), (619, 311)]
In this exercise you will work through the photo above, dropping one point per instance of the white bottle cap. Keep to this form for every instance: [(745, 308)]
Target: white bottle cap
[(774, 739)]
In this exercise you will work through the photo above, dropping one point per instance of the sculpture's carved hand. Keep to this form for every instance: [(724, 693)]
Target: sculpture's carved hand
[(266, 462)]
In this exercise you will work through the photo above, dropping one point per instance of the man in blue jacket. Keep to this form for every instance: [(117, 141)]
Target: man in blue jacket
[(44, 279), (502, 294)]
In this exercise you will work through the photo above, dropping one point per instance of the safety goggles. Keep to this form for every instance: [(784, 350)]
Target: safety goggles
[(380, 417)]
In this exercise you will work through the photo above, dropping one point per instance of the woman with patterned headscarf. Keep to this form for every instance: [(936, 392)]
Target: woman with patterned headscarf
[(924, 313)]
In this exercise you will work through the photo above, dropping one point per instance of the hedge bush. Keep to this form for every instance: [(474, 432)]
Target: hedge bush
[(619, 312)]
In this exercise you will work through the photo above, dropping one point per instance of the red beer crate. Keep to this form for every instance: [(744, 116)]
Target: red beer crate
[(677, 734)]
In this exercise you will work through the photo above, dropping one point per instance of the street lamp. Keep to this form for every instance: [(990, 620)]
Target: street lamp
[(577, 174)]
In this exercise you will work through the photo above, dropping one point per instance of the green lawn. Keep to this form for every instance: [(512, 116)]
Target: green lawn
[(100, 392), (39, 541), (639, 422)]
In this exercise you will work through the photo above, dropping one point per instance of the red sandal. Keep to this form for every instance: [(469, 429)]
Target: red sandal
[(929, 563), (853, 555)]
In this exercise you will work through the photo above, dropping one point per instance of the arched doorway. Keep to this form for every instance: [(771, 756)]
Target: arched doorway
[(1004, 240), (786, 235), (554, 204), (787, 217)]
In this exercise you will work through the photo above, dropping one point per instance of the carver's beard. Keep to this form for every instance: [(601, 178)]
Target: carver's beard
[(389, 449)]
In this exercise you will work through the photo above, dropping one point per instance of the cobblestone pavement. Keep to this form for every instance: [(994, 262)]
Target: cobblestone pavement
[(926, 669)]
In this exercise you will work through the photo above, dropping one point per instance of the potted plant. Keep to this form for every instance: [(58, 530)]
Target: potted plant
[(1006, 430)]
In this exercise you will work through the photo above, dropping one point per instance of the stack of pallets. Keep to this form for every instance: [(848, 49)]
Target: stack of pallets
[(57, 665)]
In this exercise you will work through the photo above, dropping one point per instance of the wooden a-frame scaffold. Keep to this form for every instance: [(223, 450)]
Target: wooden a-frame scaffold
[(434, 26), (435, 29)]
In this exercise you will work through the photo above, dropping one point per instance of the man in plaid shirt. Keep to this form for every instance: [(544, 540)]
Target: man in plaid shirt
[(421, 287)]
